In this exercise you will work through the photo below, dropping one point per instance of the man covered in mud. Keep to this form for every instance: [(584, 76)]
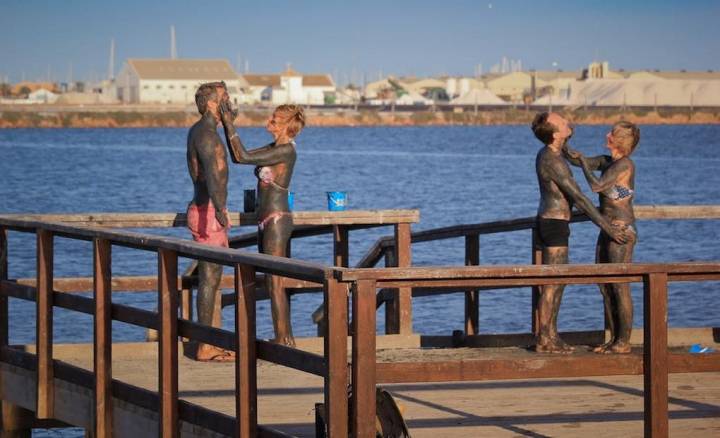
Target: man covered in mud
[(558, 193), (207, 213)]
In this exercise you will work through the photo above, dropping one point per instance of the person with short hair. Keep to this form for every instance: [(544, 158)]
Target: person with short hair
[(274, 167), (616, 189), (207, 212), (558, 193)]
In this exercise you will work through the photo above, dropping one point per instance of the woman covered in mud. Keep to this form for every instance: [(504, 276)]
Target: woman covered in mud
[(274, 167), (616, 186)]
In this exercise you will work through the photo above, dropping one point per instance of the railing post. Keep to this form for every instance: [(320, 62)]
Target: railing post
[(472, 296), (655, 355), (398, 317), (15, 421), (186, 293), (245, 359), (341, 258), (4, 328), (102, 345), (44, 327), (186, 304), (536, 259), (363, 358), (168, 345), (336, 378), (341, 252), (390, 302)]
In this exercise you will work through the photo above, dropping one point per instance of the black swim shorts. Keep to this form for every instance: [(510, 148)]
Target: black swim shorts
[(553, 232)]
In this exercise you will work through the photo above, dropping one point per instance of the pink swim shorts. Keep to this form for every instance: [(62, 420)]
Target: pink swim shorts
[(204, 227)]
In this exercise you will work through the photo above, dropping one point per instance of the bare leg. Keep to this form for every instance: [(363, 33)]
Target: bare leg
[(274, 242), (602, 257), (208, 309), (622, 305), (549, 306)]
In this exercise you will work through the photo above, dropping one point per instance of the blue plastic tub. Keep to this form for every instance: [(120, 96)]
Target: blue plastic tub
[(337, 201)]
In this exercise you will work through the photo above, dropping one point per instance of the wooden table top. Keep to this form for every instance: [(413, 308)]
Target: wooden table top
[(164, 220)]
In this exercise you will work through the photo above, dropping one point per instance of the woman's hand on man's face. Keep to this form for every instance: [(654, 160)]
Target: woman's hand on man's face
[(572, 153), (226, 112)]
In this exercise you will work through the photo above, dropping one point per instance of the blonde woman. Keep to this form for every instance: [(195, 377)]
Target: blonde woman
[(616, 186), (274, 167)]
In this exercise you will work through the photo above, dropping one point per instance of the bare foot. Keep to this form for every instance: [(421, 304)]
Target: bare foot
[(552, 346), (619, 348), (601, 349), (210, 353), (564, 345)]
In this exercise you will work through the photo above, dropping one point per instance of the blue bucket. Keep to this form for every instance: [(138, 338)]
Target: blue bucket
[(291, 200), (337, 201)]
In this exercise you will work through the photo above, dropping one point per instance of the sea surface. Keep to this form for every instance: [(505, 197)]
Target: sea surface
[(453, 175)]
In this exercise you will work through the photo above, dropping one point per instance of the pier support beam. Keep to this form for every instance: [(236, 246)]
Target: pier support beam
[(168, 349), (246, 360), (44, 326), (363, 359), (336, 379), (472, 296), (102, 338), (536, 259), (15, 422), (398, 312), (341, 245), (655, 355), (3, 299)]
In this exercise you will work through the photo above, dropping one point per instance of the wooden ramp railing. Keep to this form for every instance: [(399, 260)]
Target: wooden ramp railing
[(307, 224), (654, 362), (385, 247), (166, 322), (364, 372)]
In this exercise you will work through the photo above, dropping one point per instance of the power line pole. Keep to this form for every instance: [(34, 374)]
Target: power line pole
[(111, 64), (173, 48)]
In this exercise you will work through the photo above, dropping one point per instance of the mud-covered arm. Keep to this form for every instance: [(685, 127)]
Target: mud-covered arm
[(560, 174), (607, 180), (211, 162), (595, 163), (264, 156)]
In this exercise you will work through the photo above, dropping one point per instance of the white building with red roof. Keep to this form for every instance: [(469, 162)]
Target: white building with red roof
[(289, 87)]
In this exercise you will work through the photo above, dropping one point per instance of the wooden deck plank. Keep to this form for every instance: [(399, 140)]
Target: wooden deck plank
[(596, 406)]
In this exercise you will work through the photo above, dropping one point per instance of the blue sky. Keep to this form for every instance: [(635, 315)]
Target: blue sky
[(352, 39)]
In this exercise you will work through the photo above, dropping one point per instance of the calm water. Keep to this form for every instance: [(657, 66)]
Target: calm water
[(454, 175)]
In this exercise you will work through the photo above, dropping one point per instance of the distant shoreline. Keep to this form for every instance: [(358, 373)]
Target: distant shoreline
[(179, 117)]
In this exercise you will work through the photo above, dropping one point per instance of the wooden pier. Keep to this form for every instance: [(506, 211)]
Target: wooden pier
[(597, 406), (44, 384)]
